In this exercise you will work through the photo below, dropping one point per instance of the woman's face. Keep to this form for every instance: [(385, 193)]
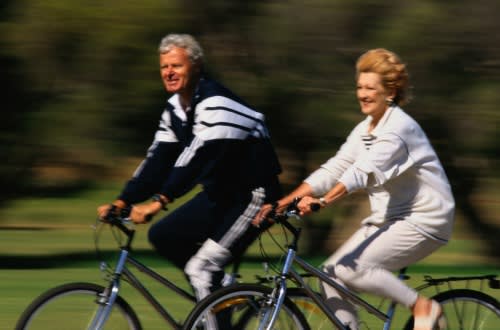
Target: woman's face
[(372, 95)]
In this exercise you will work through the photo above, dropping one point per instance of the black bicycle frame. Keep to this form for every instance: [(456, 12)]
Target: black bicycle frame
[(132, 279), (341, 289)]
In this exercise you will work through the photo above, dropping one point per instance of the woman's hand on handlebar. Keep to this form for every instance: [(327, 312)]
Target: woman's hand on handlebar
[(304, 205), (262, 214), (308, 204)]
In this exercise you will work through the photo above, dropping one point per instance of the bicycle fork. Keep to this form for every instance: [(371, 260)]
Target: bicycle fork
[(106, 300), (275, 303)]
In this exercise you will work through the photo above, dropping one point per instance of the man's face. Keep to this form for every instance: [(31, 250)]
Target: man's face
[(177, 71)]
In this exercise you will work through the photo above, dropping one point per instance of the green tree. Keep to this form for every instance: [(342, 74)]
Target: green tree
[(83, 80)]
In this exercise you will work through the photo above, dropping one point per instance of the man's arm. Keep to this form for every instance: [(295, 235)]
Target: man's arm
[(151, 173)]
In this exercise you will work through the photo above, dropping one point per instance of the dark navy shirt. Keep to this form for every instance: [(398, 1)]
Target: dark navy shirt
[(220, 143)]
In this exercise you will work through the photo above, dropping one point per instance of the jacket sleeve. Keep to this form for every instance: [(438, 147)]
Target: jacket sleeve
[(387, 158), (324, 178), (222, 126), (152, 172), (157, 166), (195, 162)]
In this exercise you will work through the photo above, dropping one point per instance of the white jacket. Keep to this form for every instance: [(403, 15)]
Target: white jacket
[(399, 169)]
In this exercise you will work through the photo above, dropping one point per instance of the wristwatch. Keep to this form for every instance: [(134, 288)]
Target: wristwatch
[(322, 201), (161, 199)]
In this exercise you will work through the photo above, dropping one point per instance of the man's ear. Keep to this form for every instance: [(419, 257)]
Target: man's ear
[(198, 68)]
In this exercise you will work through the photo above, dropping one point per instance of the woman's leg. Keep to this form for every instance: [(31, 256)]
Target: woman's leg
[(343, 309), (367, 260)]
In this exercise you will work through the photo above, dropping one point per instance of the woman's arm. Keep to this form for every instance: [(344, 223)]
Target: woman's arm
[(337, 192), (304, 189)]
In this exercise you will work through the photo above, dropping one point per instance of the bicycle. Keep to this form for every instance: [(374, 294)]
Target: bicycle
[(91, 306), (261, 306)]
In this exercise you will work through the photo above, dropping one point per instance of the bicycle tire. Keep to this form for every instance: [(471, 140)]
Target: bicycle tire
[(314, 316), (239, 307), (74, 304), (466, 309)]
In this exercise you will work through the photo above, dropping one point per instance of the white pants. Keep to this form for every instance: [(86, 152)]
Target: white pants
[(365, 262)]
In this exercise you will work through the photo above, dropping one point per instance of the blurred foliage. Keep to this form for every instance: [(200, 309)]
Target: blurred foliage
[(82, 90)]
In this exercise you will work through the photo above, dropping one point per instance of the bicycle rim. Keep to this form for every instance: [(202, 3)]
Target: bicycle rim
[(468, 310), (471, 311), (243, 307), (314, 316), (74, 306)]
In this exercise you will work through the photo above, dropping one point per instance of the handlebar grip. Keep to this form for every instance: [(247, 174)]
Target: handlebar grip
[(115, 213), (111, 213), (148, 218), (315, 207), (125, 212)]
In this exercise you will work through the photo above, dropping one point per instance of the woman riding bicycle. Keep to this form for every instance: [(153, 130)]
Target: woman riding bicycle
[(388, 155)]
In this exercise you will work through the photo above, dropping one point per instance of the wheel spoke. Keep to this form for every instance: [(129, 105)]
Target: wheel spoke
[(76, 305)]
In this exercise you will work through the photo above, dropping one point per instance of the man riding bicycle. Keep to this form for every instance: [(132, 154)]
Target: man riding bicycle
[(207, 136)]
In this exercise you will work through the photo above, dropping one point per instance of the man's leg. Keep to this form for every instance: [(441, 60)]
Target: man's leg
[(180, 234), (233, 234)]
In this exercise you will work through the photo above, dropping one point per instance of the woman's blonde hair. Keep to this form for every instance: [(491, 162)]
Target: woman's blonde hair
[(392, 70)]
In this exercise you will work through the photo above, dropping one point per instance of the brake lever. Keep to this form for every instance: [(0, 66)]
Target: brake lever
[(127, 221), (293, 213)]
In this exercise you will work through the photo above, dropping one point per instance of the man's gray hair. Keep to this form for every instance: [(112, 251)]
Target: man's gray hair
[(186, 41)]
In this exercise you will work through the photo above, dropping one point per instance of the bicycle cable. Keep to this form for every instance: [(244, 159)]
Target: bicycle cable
[(272, 265), (97, 233), (100, 256)]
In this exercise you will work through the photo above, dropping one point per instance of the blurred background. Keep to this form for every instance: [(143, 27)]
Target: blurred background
[(82, 95)]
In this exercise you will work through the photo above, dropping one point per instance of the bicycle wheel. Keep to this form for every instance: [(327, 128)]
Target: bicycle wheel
[(74, 305), (242, 306), (467, 310), (312, 313)]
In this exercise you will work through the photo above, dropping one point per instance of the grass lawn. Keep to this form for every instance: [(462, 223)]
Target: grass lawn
[(49, 241), (20, 286)]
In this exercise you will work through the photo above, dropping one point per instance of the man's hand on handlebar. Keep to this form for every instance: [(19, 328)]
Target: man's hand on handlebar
[(145, 212), (103, 211), (138, 213)]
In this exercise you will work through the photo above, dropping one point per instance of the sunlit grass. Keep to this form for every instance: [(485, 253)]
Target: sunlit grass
[(49, 241)]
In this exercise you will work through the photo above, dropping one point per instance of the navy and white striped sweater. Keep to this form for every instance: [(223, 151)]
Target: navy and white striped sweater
[(220, 143)]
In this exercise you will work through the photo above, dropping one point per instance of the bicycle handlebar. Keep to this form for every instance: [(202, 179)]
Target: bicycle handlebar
[(291, 210), (119, 217), (315, 207)]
